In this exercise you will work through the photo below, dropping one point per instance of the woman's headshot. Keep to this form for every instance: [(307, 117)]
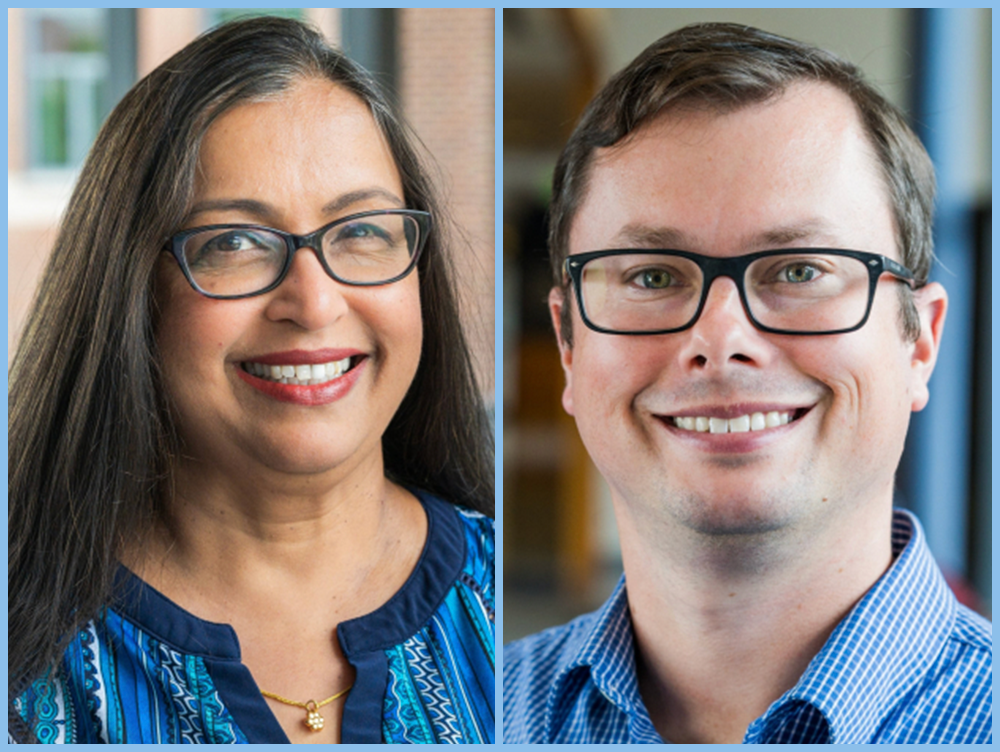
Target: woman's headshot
[(250, 468)]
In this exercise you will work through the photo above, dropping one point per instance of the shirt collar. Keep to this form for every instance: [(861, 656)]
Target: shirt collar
[(605, 655), (872, 658)]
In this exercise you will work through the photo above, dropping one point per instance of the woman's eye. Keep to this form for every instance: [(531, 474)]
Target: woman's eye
[(798, 273), (232, 241), (362, 231), (654, 279)]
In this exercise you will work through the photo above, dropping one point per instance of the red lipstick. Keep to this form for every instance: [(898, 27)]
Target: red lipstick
[(306, 394)]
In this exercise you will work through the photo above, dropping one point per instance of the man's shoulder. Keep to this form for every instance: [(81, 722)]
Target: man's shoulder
[(973, 632), (954, 702), (531, 667)]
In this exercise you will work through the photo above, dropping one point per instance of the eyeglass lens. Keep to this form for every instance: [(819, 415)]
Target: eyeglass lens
[(238, 260), (796, 292)]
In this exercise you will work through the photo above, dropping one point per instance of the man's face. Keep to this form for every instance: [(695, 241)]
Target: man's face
[(794, 172)]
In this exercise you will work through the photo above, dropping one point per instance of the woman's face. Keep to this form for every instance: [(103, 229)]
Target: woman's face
[(295, 163)]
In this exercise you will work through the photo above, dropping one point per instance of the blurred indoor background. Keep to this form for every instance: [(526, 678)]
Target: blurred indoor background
[(561, 554), (67, 67)]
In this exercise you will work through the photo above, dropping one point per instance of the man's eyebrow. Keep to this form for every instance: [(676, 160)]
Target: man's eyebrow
[(646, 236), (265, 211), (812, 230)]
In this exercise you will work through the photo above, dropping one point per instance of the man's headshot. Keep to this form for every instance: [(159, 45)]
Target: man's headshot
[(740, 237)]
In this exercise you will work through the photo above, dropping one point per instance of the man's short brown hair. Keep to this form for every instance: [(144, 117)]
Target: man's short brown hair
[(723, 67)]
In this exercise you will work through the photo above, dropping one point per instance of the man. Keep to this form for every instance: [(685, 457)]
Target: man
[(741, 237)]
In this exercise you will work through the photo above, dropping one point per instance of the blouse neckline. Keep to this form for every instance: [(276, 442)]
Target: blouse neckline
[(363, 639), (440, 561)]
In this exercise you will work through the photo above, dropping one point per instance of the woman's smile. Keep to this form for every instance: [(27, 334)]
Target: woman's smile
[(303, 383), (303, 367)]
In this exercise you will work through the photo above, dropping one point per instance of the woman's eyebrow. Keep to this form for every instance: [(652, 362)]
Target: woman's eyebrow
[(265, 211), (243, 205), (354, 197)]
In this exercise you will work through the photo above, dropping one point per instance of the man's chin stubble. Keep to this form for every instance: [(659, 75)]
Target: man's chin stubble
[(740, 538)]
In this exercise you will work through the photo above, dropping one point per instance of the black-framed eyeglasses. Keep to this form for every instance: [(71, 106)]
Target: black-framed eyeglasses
[(239, 261), (789, 291)]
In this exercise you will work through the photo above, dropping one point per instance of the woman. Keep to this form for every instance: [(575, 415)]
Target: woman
[(250, 473)]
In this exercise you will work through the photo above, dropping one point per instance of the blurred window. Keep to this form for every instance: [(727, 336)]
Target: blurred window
[(218, 16), (67, 64)]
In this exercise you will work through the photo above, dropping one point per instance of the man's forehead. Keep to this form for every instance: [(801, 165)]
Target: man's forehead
[(765, 170), (692, 121)]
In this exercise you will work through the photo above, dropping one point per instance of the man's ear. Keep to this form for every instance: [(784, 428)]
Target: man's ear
[(556, 302), (932, 306)]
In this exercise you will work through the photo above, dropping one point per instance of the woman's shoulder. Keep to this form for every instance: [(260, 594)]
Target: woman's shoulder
[(476, 528), (471, 532), (479, 528), (479, 570)]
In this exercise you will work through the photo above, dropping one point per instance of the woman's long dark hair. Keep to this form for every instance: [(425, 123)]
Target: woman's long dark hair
[(90, 435)]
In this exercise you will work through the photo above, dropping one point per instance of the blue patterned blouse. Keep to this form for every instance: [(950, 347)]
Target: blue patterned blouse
[(149, 672)]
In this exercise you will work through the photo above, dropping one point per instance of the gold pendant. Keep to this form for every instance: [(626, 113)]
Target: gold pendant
[(313, 721)]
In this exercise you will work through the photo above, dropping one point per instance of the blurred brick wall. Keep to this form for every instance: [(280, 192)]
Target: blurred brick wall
[(446, 86), (16, 150), (28, 250)]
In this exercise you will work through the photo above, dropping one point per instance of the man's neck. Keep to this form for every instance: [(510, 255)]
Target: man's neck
[(724, 627)]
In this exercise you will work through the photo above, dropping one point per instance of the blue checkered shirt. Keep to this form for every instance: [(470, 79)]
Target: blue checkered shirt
[(908, 664)]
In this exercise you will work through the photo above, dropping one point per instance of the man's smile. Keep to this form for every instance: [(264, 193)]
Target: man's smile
[(739, 428), (709, 421)]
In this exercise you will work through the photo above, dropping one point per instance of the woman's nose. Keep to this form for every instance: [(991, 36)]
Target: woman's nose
[(308, 295)]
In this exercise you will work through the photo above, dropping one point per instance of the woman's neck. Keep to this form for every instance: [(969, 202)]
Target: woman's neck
[(223, 540)]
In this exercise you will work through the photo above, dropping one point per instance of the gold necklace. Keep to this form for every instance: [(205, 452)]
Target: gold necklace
[(313, 721)]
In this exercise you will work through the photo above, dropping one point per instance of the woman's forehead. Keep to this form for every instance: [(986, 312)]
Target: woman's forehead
[(316, 142)]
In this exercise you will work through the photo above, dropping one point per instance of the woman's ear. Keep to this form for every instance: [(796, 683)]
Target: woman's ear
[(932, 306)]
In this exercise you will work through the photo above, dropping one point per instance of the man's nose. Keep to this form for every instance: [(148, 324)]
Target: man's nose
[(723, 335), (308, 295)]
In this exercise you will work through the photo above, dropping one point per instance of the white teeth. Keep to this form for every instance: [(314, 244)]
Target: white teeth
[(739, 425), (742, 424), (318, 373)]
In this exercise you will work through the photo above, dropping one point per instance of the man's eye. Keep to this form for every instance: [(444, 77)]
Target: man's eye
[(798, 273), (654, 279)]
